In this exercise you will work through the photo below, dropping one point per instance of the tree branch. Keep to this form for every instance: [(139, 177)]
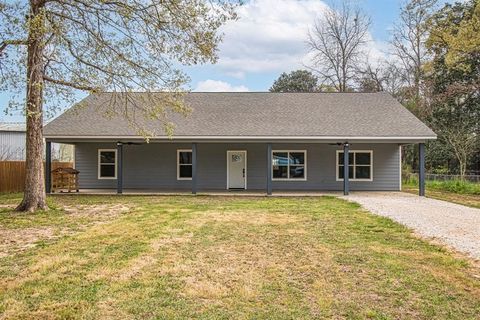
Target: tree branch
[(69, 84), (4, 44)]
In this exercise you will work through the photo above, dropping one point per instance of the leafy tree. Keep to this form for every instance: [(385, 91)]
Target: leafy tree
[(454, 74), (439, 158), (458, 27), (296, 81), (52, 47), (337, 41)]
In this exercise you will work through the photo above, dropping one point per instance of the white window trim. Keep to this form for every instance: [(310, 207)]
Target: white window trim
[(354, 151), (99, 164), (178, 163), (288, 171)]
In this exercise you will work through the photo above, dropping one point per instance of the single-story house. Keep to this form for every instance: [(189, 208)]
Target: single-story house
[(245, 141)]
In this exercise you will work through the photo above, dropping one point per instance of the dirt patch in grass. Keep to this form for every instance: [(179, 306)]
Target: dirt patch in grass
[(18, 239), (100, 211)]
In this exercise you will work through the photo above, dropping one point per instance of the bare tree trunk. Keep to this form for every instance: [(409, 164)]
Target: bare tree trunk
[(34, 197), (463, 146), (462, 160)]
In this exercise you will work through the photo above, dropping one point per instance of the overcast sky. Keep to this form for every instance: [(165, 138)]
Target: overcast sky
[(268, 39)]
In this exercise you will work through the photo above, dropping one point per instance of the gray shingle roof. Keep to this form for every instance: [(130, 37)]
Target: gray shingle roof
[(254, 115)]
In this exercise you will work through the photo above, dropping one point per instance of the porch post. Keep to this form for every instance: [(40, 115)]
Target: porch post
[(119, 167), (421, 169), (346, 186), (48, 166), (194, 168), (269, 169)]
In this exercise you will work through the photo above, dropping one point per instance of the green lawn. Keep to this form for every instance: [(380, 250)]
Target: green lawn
[(222, 258), (461, 192)]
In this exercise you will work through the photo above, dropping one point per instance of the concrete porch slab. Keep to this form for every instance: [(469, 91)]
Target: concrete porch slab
[(234, 193)]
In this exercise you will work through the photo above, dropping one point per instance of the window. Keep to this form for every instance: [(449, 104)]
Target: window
[(360, 165), (289, 165), (107, 164), (184, 164)]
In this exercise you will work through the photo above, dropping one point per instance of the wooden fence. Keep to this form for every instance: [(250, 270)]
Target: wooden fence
[(12, 174)]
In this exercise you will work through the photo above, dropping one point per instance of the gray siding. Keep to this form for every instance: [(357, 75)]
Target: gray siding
[(12, 145), (153, 166)]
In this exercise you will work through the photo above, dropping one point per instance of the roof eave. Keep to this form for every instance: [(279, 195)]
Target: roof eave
[(312, 139)]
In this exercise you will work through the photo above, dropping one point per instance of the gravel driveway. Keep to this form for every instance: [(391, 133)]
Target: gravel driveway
[(454, 225)]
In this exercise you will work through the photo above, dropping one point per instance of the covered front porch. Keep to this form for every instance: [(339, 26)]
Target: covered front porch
[(286, 168)]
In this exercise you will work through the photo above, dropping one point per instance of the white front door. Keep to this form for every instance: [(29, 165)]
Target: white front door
[(236, 169)]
